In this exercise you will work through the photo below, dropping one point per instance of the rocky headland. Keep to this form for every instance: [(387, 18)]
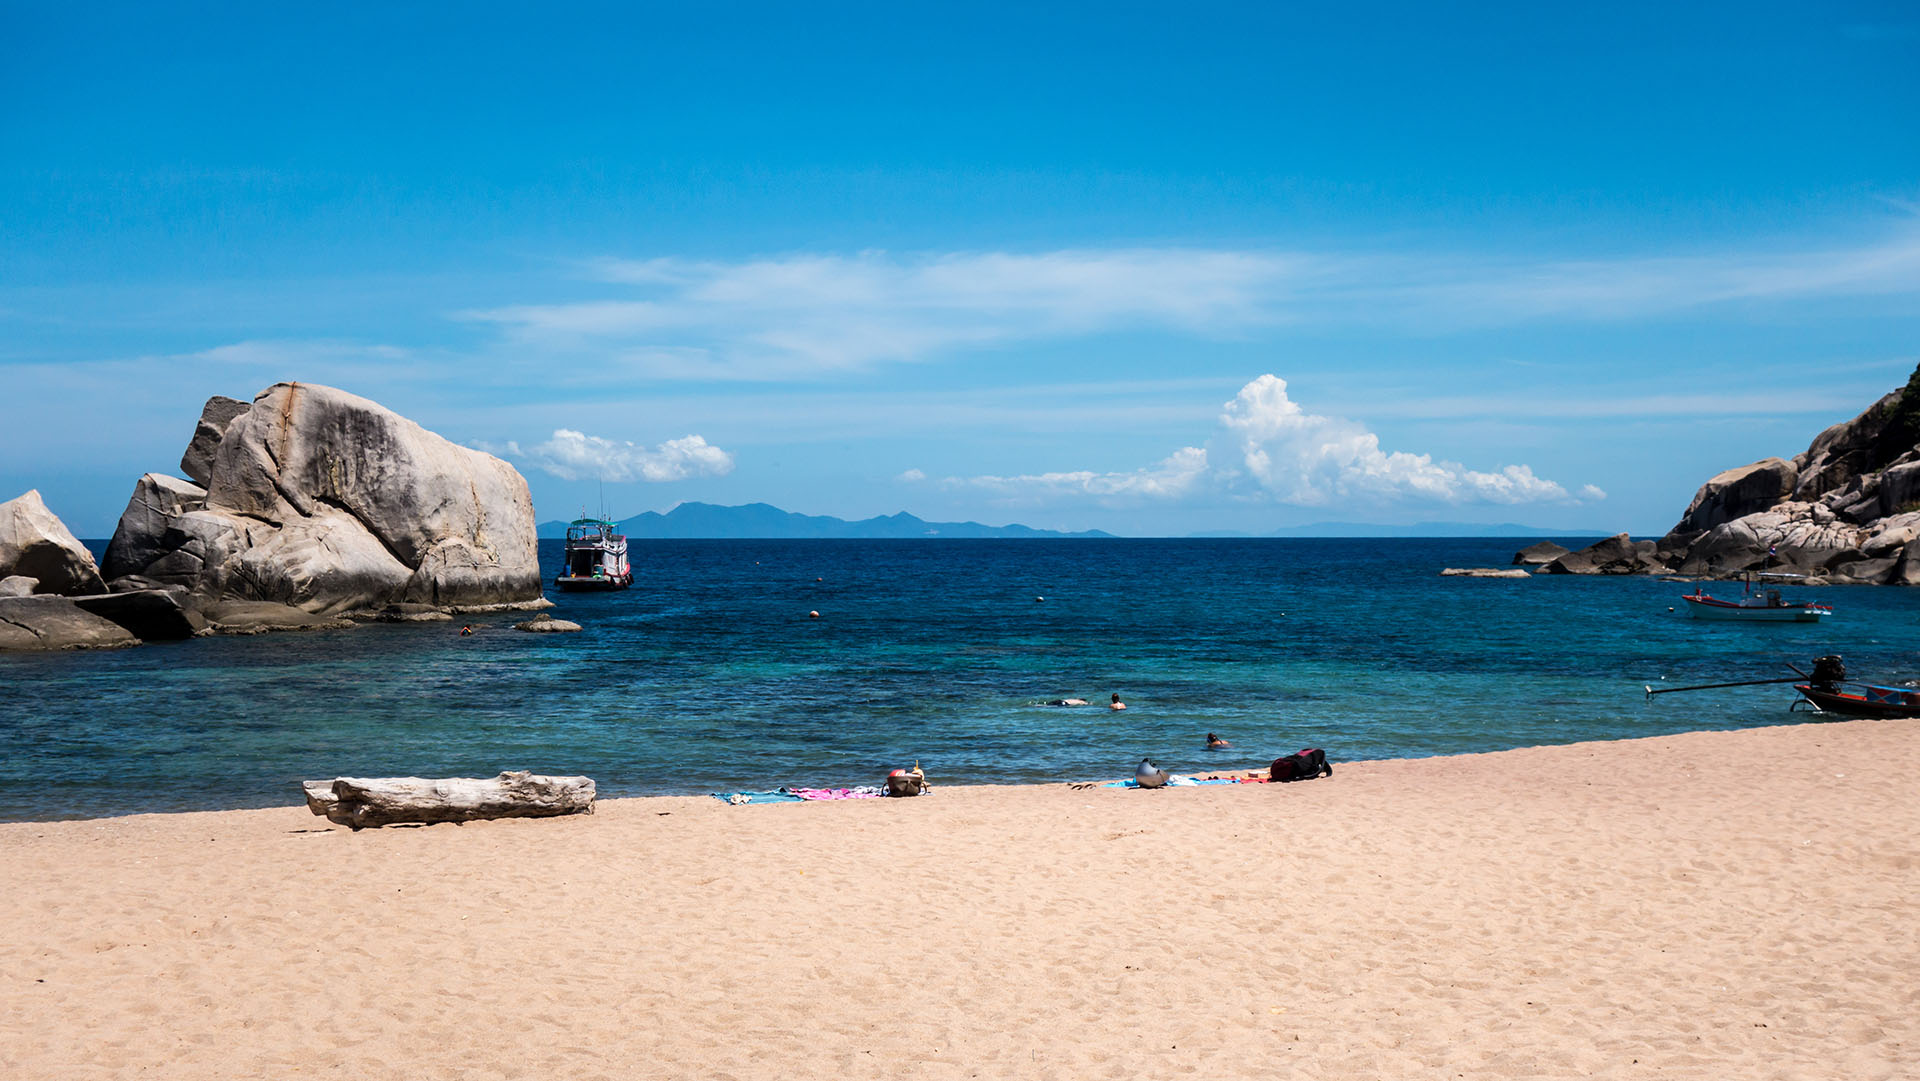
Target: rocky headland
[(307, 507), (1846, 510)]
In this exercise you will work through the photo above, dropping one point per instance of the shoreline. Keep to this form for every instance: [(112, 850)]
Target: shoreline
[(1701, 905), (1183, 769)]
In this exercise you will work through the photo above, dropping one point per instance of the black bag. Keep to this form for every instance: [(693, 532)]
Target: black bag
[(1301, 766)]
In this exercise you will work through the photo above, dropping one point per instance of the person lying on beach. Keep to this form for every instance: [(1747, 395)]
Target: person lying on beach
[(1215, 743), (1116, 703)]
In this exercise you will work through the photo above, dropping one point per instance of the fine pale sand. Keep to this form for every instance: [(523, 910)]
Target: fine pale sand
[(1712, 905)]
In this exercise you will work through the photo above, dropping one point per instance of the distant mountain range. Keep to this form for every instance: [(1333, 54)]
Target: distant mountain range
[(1417, 529), (705, 521)]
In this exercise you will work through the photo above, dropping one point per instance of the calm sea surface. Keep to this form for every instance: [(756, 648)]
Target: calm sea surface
[(710, 675)]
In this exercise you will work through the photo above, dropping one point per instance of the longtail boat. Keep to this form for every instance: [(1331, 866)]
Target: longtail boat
[(1761, 606)]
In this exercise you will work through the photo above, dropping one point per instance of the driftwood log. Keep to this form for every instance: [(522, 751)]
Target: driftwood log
[(381, 801)]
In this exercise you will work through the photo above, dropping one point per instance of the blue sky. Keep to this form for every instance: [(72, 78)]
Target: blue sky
[(1149, 268)]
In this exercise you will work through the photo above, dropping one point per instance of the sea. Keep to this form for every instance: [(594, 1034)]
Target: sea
[(758, 664)]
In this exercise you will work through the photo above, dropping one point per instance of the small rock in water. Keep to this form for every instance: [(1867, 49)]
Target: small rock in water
[(545, 622)]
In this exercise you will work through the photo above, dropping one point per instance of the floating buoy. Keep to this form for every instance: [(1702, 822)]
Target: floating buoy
[(813, 615), (1037, 600), (819, 579)]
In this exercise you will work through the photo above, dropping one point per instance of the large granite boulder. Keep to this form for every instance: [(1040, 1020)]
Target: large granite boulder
[(215, 418), (1857, 448), (36, 544), (29, 623), (1737, 493), (1538, 555), (140, 538), (327, 502)]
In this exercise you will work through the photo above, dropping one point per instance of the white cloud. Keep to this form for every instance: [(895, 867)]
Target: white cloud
[(1178, 475), (572, 455), (804, 314), (911, 476), (1298, 457), (810, 313), (1275, 450)]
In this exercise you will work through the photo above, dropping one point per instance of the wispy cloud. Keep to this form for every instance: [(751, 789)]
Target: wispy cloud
[(1266, 447), (1180, 474), (805, 314), (809, 313), (572, 455)]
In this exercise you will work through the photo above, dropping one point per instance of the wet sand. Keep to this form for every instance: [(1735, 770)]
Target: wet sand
[(1710, 905)]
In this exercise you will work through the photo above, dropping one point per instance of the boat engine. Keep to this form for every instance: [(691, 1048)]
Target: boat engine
[(1828, 673)]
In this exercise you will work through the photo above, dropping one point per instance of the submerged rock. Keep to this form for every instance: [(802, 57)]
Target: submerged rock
[(1484, 572), (34, 543)]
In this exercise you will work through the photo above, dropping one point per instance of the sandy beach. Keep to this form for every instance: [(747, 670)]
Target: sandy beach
[(1709, 905)]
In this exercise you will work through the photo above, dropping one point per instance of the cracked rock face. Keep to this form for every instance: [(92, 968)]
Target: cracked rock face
[(325, 501), (36, 544)]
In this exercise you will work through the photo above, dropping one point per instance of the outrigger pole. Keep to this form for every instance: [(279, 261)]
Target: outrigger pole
[(1711, 686)]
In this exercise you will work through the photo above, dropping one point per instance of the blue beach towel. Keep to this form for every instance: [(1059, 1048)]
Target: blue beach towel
[(1172, 781), (741, 798)]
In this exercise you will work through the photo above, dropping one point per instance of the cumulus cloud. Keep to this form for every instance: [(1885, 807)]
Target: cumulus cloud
[(572, 455), (1267, 447), (1299, 457)]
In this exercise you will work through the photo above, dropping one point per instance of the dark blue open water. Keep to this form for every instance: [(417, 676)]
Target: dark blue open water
[(708, 674)]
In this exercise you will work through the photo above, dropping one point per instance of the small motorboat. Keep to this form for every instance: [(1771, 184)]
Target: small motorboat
[(1756, 605), (596, 557)]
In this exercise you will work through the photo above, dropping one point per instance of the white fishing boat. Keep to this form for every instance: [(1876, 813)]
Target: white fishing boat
[(596, 557), (1761, 605)]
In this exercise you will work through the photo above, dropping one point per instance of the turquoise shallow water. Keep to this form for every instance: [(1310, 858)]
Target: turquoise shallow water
[(708, 674)]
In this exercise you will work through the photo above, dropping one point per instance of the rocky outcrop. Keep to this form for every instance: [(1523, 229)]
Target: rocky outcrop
[(35, 544), (1737, 493), (215, 417), (1845, 510), (319, 500), (1538, 555), (1619, 554), (153, 615), (48, 623), (140, 538)]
